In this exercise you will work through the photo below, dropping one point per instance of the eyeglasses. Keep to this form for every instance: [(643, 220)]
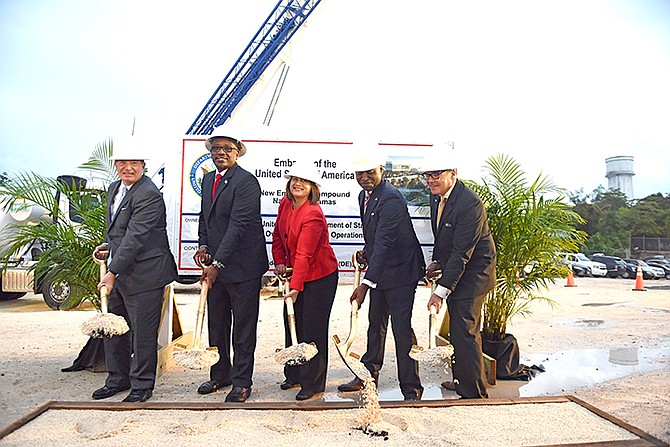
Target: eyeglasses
[(226, 149), (434, 175), (133, 163)]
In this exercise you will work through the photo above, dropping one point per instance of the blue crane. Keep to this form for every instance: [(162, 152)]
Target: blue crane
[(267, 43)]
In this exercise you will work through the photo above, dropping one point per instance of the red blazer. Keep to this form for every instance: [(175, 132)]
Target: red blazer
[(300, 240)]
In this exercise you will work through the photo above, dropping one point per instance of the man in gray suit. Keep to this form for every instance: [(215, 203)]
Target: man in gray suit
[(233, 254), (465, 253), (395, 265), (140, 265)]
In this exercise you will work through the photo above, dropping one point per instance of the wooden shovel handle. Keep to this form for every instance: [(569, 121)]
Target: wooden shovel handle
[(200, 316), (103, 290), (357, 269), (290, 316), (432, 324), (353, 326)]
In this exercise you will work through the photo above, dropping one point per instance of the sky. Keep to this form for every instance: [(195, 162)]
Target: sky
[(560, 85)]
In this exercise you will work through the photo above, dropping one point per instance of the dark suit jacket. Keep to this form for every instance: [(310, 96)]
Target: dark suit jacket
[(300, 240), (392, 248), (231, 224), (138, 240), (463, 243)]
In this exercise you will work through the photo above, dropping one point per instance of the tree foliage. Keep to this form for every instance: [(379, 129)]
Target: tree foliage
[(67, 236), (531, 223), (611, 219)]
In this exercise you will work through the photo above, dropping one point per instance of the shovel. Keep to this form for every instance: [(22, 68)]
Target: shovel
[(297, 353), (433, 354), (197, 357), (351, 359), (104, 324), (282, 285)]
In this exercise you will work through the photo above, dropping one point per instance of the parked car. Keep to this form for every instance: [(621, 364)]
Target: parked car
[(660, 261), (578, 269), (592, 268), (616, 267), (648, 272), (657, 258)]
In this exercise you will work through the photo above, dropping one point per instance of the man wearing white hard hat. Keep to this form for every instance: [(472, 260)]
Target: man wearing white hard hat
[(465, 253), (300, 241), (234, 258), (140, 265), (395, 264)]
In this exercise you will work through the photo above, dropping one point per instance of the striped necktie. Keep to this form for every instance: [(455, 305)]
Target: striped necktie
[(366, 200)]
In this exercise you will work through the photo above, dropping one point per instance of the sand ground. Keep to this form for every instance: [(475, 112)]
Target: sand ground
[(582, 342)]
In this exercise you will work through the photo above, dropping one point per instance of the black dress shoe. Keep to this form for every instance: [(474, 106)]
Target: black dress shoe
[(139, 395), (212, 385), (354, 385), (448, 385), (238, 394), (287, 385), (416, 396), (106, 391), (304, 395)]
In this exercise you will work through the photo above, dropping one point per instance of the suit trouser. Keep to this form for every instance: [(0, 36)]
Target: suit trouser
[(396, 303), (142, 311), (468, 362), (234, 306), (312, 315)]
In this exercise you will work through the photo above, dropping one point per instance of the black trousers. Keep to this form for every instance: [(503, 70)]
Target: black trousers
[(312, 317), (132, 357), (397, 304), (465, 335), (232, 320)]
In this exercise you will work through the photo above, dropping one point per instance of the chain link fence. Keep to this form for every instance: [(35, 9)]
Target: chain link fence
[(649, 246)]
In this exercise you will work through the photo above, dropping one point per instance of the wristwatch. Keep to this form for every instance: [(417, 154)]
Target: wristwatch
[(217, 264)]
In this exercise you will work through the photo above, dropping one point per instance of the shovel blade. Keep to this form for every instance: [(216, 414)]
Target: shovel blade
[(346, 356)]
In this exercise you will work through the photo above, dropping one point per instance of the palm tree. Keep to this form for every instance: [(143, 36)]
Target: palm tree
[(531, 224), (99, 165), (68, 236)]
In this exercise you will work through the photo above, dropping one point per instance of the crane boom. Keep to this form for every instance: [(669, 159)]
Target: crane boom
[(280, 26)]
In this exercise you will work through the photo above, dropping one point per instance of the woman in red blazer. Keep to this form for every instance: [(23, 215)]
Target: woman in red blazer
[(300, 241)]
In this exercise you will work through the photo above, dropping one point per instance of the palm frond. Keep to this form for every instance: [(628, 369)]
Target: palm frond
[(67, 236), (531, 223), (100, 162)]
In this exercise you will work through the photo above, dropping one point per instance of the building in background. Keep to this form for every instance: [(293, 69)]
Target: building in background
[(620, 174)]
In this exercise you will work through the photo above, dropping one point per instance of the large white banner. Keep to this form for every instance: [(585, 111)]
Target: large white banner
[(270, 160)]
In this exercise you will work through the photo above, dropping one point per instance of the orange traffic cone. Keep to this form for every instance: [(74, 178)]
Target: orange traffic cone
[(571, 277), (639, 279)]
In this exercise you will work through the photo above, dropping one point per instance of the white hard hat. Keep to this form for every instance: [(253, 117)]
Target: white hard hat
[(366, 162), (367, 155), (224, 132), (440, 158), (130, 148), (306, 172)]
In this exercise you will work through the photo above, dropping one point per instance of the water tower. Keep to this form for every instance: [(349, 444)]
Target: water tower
[(620, 174)]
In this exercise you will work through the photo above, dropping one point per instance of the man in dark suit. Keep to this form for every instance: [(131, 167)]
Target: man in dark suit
[(233, 254), (140, 265), (395, 265), (465, 253)]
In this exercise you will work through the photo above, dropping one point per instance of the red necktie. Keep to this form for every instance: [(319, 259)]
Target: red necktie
[(366, 200), (216, 185)]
